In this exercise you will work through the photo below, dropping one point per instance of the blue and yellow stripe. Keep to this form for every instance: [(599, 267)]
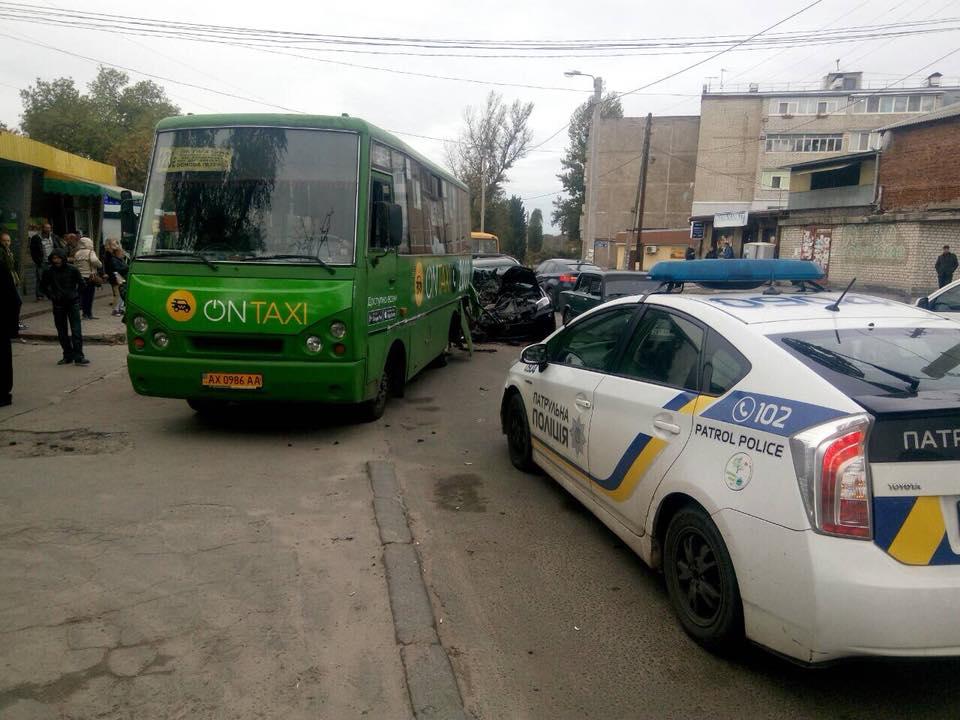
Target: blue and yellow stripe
[(635, 461), (912, 530)]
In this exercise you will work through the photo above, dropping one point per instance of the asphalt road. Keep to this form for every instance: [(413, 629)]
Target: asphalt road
[(153, 564)]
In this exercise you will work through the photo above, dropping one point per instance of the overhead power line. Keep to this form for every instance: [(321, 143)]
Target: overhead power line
[(457, 47)]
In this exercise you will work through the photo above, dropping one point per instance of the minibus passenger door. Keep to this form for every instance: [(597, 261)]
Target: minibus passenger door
[(382, 247)]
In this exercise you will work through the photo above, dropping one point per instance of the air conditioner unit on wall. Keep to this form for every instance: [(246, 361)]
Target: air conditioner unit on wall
[(651, 249)]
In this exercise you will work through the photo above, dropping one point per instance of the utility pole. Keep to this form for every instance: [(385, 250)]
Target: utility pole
[(594, 142), (483, 193), (642, 191)]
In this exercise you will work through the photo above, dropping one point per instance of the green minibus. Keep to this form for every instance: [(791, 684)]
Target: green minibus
[(292, 258)]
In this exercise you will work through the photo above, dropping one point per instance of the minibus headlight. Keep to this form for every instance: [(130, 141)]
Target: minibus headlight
[(338, 329), (140, 323), (313, 344), (161, 339)]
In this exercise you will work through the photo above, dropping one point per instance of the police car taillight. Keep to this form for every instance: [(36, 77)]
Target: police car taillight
[(833, 474)]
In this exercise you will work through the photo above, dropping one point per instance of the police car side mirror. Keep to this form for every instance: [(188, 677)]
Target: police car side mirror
[(535, 355), (924, 303)]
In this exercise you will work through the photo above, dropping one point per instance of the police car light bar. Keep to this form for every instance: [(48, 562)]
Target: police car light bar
[(740, 274)]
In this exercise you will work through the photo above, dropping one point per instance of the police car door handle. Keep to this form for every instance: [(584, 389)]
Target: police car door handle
[(584, 404), (667, 426)]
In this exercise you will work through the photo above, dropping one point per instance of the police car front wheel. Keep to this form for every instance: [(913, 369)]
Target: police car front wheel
[(518, 434), (701, 581)]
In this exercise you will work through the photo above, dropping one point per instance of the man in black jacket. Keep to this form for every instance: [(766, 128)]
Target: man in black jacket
[(9, 312), (62, 283), (41, 246), (946, 266)]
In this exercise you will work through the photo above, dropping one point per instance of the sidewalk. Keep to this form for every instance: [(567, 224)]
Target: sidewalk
[(106, 329)]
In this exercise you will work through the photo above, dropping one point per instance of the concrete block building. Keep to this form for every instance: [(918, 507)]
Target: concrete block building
[(751, 137), (881, 217), (669, 196)]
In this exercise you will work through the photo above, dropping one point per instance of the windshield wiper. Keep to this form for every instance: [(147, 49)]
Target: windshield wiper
[(841, 363), (179, 253), (285, 256)]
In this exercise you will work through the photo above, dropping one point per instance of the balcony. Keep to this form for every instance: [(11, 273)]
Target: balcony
[(836, 197)]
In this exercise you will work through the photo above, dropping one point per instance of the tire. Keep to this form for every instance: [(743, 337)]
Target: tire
[(518, 435), (566, 315), (701, 581), (373, 410)]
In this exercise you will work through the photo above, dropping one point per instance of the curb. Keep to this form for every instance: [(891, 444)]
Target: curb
[(430, 680), (113, 339)]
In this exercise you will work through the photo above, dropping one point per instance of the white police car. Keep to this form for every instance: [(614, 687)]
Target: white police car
[(945, 301), (790, 462)]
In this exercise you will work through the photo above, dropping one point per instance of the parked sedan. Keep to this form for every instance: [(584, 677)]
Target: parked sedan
[(559, 274), (945, 301), (594, 288)]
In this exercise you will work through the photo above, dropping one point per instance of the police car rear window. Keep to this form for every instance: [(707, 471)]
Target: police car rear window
[(873, 361)]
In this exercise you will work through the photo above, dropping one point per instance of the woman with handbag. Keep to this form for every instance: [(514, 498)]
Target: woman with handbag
[(89, 266)]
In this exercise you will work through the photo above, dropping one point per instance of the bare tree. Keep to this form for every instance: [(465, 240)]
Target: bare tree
[(494, 137)]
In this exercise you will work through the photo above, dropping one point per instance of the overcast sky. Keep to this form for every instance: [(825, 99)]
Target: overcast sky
[(434, 107)]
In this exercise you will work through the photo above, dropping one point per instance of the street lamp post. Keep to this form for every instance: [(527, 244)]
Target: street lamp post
[(592, 192)]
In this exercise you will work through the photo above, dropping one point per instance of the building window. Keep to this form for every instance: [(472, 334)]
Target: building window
[(775, 180), (863, 141), (894, 104), (804, 143), (806, 105)]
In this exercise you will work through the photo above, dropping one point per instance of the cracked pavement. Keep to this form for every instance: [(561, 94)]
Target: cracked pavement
[(156, 565)]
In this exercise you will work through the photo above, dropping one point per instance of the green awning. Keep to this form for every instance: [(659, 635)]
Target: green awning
[(72, 186), (61, 186)]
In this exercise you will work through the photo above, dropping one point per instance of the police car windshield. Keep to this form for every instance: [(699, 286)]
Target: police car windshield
[(897, 361)]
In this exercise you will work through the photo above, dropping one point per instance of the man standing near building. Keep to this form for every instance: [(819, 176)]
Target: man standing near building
[(40, 248), (946, 266), (727, 253), (62, 283)]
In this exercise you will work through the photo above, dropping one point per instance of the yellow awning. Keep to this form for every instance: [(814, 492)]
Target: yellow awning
[(19, 149)]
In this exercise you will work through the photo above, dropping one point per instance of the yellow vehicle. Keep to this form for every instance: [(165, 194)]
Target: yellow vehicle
[(484, 243)]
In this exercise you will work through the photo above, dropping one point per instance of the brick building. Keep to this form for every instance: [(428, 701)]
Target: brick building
[(881, 217), (669, 195), (751, 137)]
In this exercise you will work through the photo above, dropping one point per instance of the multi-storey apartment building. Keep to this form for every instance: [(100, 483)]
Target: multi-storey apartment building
[(669, 193), (749, 137)]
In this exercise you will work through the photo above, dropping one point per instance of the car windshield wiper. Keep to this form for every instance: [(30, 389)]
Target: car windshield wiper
[(284, 256), (178, 253), (841, 363)]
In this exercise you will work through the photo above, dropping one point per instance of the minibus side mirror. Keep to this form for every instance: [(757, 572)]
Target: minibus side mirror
[(924, 303)]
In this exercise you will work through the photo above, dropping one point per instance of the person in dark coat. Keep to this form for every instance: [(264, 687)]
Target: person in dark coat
[(690, 254), (946, 266), (9, 313), (41, 246), (62, 283)]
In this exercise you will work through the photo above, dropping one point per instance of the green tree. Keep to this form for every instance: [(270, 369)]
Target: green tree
[(535, 232), (494, 138), (567, 210), (516, 228), (113, 122)]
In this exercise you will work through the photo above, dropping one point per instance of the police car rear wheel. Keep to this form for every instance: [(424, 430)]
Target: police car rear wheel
[(518, 435), (701, 581)]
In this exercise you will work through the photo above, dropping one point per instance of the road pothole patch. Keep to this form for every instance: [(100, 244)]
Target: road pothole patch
[(30, 444), (460, 493)]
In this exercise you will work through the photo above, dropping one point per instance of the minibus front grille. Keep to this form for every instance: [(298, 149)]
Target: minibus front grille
[(228, 344)]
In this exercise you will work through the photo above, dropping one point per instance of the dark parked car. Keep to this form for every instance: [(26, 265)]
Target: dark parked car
[(559, 274), (512, 303), (593, 288)]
